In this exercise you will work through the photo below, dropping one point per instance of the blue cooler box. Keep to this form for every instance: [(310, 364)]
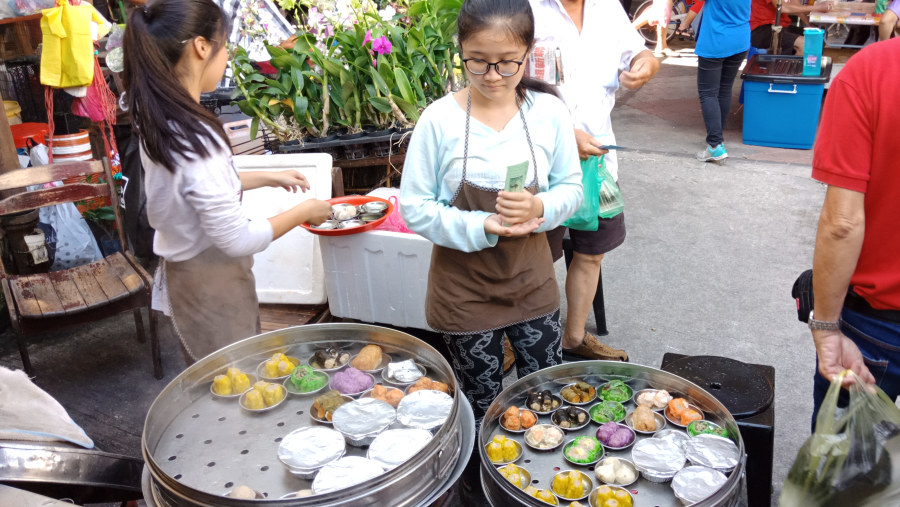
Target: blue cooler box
[(781, 105)]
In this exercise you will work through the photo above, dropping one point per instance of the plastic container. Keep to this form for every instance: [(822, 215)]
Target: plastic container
[(37, 132), (13, 112), (813, 40), (781, 105)]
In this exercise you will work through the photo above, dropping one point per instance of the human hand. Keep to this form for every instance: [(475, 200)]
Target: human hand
[(588, 145), (289, 180), (314, 211), (643, 68), (494, 225), (518, 207), (823, 6), (836, 353)]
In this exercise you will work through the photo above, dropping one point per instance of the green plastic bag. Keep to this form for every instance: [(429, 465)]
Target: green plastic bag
[(881, 6), (586, 217), (611, 201), (853, 458)]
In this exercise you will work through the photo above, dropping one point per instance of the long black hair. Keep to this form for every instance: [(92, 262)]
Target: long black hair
[(516, 17), (166, 118)]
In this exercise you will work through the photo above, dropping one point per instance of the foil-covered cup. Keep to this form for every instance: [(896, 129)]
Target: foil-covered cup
[(696, 483), (657, 460), (362, 420), (403, 372), (345, 472), (306, 450), (394, 447), (712, 451), (425, 409), (675, 436)]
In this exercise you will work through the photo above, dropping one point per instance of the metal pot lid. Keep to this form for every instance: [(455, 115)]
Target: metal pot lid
[(657, 457), (345, 472), (393, 447), (712, 451), (363, 417), (697, 483), (743, 388), (425, 409), (675, 436), (312, 447)]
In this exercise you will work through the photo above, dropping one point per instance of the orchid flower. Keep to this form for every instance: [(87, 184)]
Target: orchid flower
[(382, 45), (387, 14)]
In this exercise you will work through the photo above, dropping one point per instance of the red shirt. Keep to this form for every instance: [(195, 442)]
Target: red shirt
[(855, 150), (762, 12)]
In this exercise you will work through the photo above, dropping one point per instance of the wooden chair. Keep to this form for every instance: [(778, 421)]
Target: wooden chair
[(49, 301)]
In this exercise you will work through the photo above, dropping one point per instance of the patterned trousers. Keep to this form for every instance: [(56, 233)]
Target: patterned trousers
[(478, 357)]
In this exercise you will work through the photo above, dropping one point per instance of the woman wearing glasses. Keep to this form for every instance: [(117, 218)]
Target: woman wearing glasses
[(491, 268)]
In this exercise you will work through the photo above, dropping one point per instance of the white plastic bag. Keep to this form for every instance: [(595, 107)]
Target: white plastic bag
[(75, 244)]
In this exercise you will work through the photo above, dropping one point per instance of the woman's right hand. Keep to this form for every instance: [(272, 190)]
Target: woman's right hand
[(493, 225), (587, 145), (314, 211)]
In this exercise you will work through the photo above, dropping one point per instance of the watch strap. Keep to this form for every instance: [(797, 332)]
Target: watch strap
[(823, 325)]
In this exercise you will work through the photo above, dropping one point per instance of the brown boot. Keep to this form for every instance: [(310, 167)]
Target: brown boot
[(509, 357), (592, 348)]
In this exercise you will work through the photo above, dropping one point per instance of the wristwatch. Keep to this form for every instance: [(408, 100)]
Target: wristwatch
[(823, 325)]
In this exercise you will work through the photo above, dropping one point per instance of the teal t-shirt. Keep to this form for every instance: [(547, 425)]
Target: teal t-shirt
[(724, 28)]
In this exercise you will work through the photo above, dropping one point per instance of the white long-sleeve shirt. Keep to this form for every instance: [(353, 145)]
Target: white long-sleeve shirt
[(591, 61), (198, 206), (434, 161)]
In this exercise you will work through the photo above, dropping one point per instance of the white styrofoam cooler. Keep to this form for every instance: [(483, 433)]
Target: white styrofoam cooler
[(377, 276), (290, 270)]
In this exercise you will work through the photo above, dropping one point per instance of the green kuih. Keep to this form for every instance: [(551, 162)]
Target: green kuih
[(616, 390)]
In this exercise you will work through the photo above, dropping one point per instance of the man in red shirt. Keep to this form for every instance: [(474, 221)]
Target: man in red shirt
[(762, 18), (856, 265)]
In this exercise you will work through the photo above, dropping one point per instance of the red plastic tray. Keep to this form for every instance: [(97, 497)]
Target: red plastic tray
[(355, 200)]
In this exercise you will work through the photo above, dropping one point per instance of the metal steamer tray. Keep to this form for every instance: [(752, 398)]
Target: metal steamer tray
[(543, 465), (197, 447)]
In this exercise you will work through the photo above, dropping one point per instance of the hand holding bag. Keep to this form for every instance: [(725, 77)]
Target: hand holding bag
[(586, 217)]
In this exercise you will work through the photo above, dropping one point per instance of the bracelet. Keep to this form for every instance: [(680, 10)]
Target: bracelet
[(823, 325)]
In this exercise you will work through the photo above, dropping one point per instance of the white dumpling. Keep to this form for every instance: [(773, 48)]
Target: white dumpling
[(345, 212), (625, 475), (606, 472), (243, 492)]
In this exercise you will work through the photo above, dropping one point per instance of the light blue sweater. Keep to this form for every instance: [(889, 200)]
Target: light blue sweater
[(434, 161)]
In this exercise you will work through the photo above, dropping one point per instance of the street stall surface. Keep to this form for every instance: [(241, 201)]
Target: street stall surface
[(707, 268)]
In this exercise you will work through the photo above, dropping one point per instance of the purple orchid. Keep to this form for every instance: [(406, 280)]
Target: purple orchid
[(382, 45)]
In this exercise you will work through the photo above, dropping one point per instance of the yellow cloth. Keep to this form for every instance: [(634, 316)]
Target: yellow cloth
[(68, 55)]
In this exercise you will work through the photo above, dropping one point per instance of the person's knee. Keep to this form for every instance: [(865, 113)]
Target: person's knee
[(798, 45), (588, 260)]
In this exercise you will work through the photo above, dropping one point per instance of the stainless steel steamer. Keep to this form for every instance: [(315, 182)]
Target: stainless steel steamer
[(197, 447), (501, 492)]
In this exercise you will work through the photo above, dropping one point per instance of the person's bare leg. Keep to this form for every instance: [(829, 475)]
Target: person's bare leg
[(581, 287), (661, 46), (888, 24), (798, 45)]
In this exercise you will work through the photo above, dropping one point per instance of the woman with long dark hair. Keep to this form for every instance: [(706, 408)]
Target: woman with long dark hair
[(491, 271), (174, 51)]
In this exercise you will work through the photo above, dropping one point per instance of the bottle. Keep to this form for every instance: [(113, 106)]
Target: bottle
[(813, 39)]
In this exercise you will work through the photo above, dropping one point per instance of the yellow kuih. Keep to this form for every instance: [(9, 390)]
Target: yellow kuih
[(273, 394), (222, 385), (254, 400)]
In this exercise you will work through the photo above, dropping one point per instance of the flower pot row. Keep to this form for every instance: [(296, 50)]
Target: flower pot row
[(357, 146)]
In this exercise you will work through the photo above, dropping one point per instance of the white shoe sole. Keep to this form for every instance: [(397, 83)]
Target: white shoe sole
[(709, 158)]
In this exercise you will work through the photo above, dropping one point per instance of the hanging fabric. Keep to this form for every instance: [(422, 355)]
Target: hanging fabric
[(68, 44)]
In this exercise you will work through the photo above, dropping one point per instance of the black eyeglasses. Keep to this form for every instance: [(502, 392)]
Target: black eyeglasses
[(505, 68)]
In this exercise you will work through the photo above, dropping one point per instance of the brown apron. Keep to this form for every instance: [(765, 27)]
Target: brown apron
[(212, 301), (509, 283)]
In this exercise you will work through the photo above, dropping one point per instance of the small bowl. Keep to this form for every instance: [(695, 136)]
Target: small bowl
[(692, 429), (289, 386), (677, 422), (594, 501), (250, 376), (545, 426), (555, 397), (599, 457), (517, 458), (327, 225), (660, 423), (556, 420), (633, 440), (338, 208), (368, 393), (326, 421), (329, 370), (375, 207), (385, 360), (642, 391), (350, 224), (524, 474), (354, 395), (579, 404), (293, 495), (521, 409), (407, 388), (630, 394), (370, 217), (628, 464), (587, 485), (260, 410), (261, 370), (397, 382), (259, 496), (591, 410)]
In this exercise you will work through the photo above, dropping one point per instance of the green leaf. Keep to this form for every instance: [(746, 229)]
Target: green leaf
[(411, 111), (246, 108), (379, 81), (381, 104), (276, 51), (403, 84), (275, 84), (247, 68), (418, 68), (254, 128), (417, 8), (258, 78), (332, 67), (297, 78), (301, 104)]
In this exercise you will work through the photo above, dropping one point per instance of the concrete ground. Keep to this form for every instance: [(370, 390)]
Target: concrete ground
[(707, 268)]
